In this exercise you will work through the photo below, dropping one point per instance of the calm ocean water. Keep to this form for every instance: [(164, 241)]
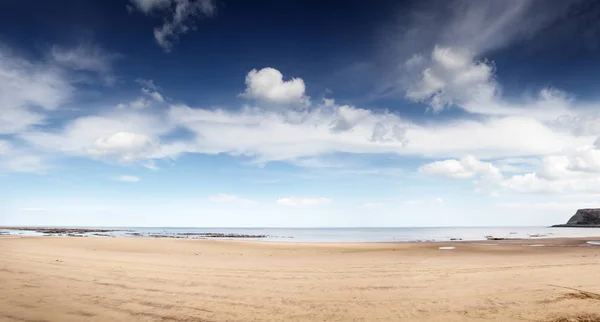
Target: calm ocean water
[(350, 234)]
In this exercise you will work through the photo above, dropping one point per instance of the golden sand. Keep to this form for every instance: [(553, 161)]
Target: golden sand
[(144, 279)]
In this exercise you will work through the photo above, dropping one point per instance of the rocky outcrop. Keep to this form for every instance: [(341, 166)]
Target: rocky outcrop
[(584, 218)]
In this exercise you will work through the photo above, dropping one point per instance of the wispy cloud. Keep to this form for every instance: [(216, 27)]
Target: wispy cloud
[(179, 17)]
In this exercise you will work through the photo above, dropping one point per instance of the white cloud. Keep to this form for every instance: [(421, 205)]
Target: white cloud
[(267, 85), (585, 159), (128, 179), (179, 17), (452, 77), (442, 47), (127, 145), (137, 104), (301, 136), (25, 87), (225, 198), (155, 95), (574, 171), (296, 201), (24, 163), (125, 136), (467, 167)]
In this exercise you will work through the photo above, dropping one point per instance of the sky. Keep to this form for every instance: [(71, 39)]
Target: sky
[(225, 113)]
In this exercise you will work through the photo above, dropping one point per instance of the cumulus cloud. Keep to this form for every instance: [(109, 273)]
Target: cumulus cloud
[(575, 171), (267, 85), (454, 77), (180, 17), (296, 135), (441, 49), (128, 179), (292, 135), (124, 136), (127, 145), (451, 76), (297, 201), (467, 167), (225, 198)]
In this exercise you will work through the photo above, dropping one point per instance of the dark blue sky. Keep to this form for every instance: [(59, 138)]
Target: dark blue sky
[(316, 41), (337, 45)]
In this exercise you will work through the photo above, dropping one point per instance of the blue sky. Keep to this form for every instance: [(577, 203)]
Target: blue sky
[(298, 113)]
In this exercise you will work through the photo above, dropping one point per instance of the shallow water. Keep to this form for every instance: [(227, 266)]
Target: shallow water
[(415, 234)]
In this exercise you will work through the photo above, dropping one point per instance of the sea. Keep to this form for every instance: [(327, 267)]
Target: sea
[(381, 234)]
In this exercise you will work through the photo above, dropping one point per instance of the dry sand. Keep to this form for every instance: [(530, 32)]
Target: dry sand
[(143, 279)]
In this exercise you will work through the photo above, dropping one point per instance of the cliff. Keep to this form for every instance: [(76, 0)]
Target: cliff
[(584, 218)]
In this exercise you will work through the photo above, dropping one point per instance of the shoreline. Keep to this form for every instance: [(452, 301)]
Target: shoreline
[(489, 235), (592, 241), (548, 239)]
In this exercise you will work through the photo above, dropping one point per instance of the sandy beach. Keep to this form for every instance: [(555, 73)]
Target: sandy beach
[(144, 279)]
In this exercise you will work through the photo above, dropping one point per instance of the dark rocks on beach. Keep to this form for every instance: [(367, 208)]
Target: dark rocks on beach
[(500, 238), (584, 218), (222, 235), (102, 235), (54, 231)]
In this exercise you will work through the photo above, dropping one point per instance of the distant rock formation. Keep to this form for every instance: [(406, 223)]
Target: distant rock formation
[(584, 218)]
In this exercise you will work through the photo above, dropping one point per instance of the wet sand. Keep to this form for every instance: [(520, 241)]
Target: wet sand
[(146, 279)]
